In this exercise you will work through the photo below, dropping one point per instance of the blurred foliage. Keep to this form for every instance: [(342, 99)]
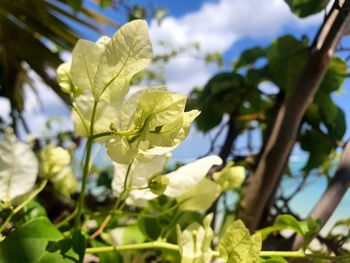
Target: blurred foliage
[(33, 35), (304, 8), (239, 94)]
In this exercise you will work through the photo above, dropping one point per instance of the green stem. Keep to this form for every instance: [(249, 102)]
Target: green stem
[(116, 207), (120, 133), (125, 189), (22, 205), (86, 171), (67, 219), (173, 247), (148, 245)]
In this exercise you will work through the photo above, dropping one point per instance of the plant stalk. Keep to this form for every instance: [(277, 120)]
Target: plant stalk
[(86, 171)]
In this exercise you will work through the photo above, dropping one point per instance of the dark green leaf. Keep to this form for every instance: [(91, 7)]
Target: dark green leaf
[(287, 57), (303, 8), (337, 129), (327, 109), (79, 244), (222, 94), (335, 76), (150, 226), (317, 145), (249, 57)]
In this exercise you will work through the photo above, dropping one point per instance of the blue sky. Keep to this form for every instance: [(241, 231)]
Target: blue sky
[(227, 26)]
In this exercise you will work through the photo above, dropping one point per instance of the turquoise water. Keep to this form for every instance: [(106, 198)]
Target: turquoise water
[(306, 199)]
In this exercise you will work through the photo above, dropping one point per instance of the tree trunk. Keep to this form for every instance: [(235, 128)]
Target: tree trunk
[(261, 184), (333, 195)]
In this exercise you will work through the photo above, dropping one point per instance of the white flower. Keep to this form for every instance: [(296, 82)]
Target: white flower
[(187, 184)]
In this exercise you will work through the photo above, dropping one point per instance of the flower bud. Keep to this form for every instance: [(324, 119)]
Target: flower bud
[(157, 184)]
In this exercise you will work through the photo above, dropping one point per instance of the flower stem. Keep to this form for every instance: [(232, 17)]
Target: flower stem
[(22, 205), (148, 245), (173, 247), (116, 207), (89, 143)]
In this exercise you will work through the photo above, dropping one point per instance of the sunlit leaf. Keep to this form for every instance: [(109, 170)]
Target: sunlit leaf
[(237, 245), (307, 228), (36, 241)]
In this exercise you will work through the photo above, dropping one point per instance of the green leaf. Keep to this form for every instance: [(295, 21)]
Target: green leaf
[(307, 228), (287, 56), (35, 242), (214, 57), (79, 244), (317, 145), (150, 226), (128, 52), (327, 108), (33, 210), (249, 57), (126, 235), (220, 95), (18, 168), (237, 245), (303, 8), (335, 76), (337, 128)]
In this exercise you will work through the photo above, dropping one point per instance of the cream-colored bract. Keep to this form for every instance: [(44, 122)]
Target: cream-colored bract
[(128, 52), (187, 184), (159, 117), (195, 242), (231, 177), (106, 67), (52, 160), (188, 176), (18, 168)]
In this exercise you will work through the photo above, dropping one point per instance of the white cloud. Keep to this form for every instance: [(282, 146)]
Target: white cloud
[(217, 27)]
